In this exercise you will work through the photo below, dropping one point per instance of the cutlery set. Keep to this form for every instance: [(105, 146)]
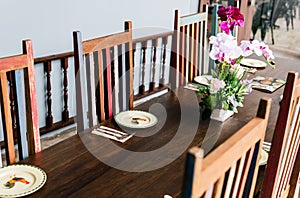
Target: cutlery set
[(266, 146), (112, 134)]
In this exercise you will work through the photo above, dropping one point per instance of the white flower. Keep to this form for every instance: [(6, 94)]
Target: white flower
[(216, 84), (259, 48), (233, 101), (224, 48), (240, 70)]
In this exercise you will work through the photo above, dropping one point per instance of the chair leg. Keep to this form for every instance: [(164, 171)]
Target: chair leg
[(272, 35), (292, 20)]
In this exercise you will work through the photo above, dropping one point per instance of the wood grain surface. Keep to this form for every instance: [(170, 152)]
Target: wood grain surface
[(72, 171)]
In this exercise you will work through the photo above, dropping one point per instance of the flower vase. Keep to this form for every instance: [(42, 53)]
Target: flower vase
[(221, 114)]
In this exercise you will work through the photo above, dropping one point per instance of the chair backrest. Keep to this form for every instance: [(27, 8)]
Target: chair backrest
[(247, 8), (189, 56), (202, 5), (231, 169), (103, 69), (285, 143), (11, 119)]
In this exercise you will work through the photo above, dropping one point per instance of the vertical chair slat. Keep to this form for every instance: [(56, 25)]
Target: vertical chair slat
[(91, 89), (6, 120), (205, 44), (239, 175), (248, 160), (114, 80), (122, 90), (202, 47), (186, 54), (219, 186), (100, 90), (294, 148), (187, 61), (192, 53), (108, 85), (196, 49), (230, 180), (295, 178), (181, 55), (210, 191)]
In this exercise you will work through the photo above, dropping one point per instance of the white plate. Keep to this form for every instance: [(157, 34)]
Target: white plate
[(33, 178), (203, 79), (253, 63), (263, 157), (145, 119)]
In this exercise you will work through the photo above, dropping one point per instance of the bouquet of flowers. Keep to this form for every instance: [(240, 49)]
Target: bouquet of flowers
[(228, 86)]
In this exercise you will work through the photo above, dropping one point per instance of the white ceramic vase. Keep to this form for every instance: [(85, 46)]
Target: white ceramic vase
[(221, 114)]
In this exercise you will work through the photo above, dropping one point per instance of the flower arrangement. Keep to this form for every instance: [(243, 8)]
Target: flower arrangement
[(228, 86)]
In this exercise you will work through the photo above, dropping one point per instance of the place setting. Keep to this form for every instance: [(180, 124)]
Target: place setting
[(253, 63), (264, 153), (267, 84), (202, 80), (131, 119), (19, 180)]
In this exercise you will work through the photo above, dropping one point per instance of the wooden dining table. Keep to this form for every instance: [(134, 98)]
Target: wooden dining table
[(151, 163)]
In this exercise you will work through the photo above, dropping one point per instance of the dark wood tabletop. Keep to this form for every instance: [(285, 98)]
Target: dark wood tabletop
[(151, 164)]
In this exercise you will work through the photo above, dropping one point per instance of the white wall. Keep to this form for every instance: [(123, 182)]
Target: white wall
[(50, 23)]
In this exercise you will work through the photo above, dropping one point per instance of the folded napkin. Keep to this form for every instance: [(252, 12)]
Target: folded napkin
[(112, 134)]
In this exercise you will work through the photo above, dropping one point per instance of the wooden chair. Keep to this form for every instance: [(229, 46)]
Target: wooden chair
[(285, 143), (189, 54), (103, 69), (231, 169), (11, 118), (247, 8)]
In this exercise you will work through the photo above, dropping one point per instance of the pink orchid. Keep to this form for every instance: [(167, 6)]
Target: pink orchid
[(230, 17)]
